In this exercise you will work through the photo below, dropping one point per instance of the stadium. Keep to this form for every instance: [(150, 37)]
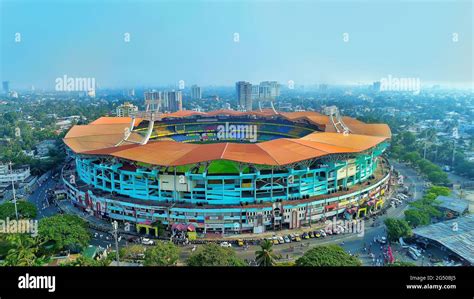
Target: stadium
[(227, 171)]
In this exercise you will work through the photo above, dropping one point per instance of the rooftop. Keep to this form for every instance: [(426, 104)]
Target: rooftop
[(101, 137), (454, 204), (457, 235)]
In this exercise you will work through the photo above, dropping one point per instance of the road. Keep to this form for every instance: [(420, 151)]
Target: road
[(39, 198), (415, 183)]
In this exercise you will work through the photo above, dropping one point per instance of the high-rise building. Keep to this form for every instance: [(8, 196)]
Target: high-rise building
[(173, 101), (264, 92), (255, 92), (126, 109), (153, 100), (269, 90), (6, 88), (131, 92), (244, 95), (196, 92)]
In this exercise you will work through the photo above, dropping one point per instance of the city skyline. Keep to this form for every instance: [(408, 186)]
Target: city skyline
[(347, 42)]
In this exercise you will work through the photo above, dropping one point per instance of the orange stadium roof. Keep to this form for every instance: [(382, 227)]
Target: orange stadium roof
[(101, 137)]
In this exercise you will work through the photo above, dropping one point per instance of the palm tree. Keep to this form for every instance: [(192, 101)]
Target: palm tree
[(265, 256), (23, 252)]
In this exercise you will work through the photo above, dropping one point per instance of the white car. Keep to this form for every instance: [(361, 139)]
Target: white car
[(414, 250), (226, 244), (146, 241)]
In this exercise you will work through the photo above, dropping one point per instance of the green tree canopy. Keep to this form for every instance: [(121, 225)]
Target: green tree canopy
[(26, 210), (421, 211), (397, 228), (417, 217), (439, 190), (65, 231), (330, 255), (23, 251), (214, 255), (162, 254)]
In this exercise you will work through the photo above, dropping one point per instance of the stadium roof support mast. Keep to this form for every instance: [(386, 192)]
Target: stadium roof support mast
[(336, 119), (271, 105), (151, 115)]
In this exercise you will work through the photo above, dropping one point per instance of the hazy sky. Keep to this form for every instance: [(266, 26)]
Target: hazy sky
[(194, 41)]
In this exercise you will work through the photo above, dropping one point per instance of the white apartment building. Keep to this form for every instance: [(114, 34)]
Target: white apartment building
[(17, 175), (126, 109)]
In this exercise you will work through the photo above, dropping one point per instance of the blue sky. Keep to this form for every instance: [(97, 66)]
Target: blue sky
[(193, 41)]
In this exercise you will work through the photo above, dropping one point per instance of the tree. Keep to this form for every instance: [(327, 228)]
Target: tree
[(425, 208), (438, 177), (408, 140), (162, 254), (64, 231), (26, 210), (397, 228), (439, 190), (412, 157), (417, 217), (84, 261), (214, 255), (330, 255), (160, 227), (265, 256), (23, 251)]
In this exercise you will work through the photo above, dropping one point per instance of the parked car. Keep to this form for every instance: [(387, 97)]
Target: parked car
[(240, 242), (274, 240), (323, 233), (305, 236), (280, 240), (412, 255), (226, 244), (382, 240), (311, 234), (297, 238), (293, 237), (415, 251), (133, 240), (287, 239), (146, 241), (318, 235)]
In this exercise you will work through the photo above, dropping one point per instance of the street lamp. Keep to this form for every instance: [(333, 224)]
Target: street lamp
[(13, 189), (115, 226)]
